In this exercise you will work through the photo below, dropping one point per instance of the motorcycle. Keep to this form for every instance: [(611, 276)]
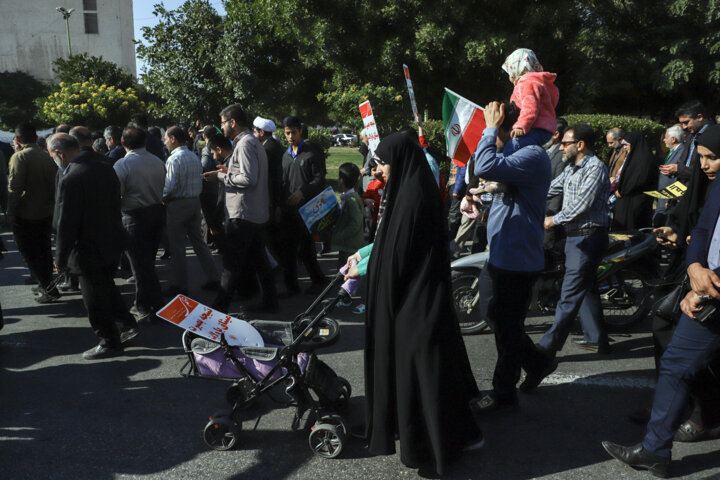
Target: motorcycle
[(626, 278)]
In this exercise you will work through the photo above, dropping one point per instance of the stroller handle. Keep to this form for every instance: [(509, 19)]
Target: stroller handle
[(338, 280)]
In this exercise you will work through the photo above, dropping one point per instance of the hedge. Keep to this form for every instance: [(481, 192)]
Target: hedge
[(602, 123)]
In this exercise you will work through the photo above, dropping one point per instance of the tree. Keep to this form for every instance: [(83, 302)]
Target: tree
[(89, 103), (18, 92), (317, 58), (182, 63), (79, 68)]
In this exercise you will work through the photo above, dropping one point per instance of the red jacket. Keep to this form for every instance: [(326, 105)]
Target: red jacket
[(537, 96), (374, 192)]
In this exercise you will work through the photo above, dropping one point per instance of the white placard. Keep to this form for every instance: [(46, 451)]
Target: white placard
[(208, 323)]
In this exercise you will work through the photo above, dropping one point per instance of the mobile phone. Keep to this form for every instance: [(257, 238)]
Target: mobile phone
[(706, 313)]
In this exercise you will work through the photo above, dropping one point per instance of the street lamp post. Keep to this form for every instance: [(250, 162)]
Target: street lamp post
[(66, 15)]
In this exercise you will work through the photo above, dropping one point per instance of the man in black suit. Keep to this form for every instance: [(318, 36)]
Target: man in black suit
[(696, 341), (89, 240)]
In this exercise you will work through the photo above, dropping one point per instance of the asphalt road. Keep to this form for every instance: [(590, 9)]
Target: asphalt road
[(135, 417)]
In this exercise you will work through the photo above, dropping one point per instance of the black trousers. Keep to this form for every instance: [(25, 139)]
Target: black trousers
[(244, 252), (511, 294), (143, 229), (32, 238), (298, 244), (104, 304)]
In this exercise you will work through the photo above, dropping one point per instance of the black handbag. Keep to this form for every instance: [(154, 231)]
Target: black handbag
[(668, 307)]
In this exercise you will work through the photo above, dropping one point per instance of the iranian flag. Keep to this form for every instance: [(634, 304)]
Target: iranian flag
[(464, 123)]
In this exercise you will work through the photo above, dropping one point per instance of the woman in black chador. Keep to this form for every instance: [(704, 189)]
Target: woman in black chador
[(633, 209), (418, 382)]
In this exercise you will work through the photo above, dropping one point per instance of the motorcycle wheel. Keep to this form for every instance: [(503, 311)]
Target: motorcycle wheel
[(465, 299), (624, 300)]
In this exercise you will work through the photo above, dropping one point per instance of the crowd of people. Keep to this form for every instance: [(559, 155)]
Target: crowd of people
[(533, 192)]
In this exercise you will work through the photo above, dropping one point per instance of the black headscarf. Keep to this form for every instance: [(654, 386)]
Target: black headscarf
[(710, 139), (639, 174), (418, 380), (684, 216)]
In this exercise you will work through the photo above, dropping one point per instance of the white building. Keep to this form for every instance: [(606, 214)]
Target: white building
[(33, 34)]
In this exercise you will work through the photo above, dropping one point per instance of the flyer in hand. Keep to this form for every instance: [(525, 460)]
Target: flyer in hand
[(320, 213)]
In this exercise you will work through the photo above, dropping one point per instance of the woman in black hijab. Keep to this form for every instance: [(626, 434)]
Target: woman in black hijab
[(418, 382), (633, 209)]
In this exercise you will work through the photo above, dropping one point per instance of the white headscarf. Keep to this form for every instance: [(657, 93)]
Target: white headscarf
[(520, 62)]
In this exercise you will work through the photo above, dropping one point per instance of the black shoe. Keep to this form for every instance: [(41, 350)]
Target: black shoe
[(533, 379), (601, 347), (128, 334), (488, 404), (315, 288), (687, 433), (211, 285), (48, 297), (68, 286), (101, 351), (165, 255), (638, 458)]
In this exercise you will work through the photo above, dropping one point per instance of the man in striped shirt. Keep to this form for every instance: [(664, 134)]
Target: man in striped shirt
[(181, 195), (585, 186)]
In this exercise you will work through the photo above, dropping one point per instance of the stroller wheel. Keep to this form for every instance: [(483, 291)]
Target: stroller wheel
[(326, 440), (221, 433)]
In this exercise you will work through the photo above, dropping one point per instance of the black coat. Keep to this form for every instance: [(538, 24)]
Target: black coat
[(89, 225), (305, 173), (418, 382), (274, 152)]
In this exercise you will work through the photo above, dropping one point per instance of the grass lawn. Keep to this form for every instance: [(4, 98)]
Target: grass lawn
[(338, 156)]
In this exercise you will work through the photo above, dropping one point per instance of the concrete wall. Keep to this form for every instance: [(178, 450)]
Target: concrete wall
[(32, 34)]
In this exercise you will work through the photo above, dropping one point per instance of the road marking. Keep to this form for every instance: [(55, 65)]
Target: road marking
[(613, 380)]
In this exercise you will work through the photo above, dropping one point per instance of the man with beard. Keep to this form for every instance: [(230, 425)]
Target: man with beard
[(585, 187), (247, 211)]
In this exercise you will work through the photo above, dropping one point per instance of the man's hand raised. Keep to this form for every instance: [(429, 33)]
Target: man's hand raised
[(494, 114)]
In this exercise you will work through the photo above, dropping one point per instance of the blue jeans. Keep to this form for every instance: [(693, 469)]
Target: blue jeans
[(579, 293), (690, 351), (536, 136)]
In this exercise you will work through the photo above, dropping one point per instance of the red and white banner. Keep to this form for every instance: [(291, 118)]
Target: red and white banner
[(204, 321), (370, 128), (411, 93)]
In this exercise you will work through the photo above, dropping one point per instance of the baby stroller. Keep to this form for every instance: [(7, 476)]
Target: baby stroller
[(288, 359)]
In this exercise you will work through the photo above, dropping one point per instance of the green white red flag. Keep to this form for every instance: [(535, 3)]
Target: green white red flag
[(464, 123)]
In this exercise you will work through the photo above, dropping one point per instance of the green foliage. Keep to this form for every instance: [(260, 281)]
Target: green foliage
[(319, 59), (89, 103), (653, 131), (180, 54), (79, 68), (387, 105), (18, 92), (321, 138), (434, 132)]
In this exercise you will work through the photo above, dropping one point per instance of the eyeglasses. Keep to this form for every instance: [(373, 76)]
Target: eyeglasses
[(224, 121), (565, 144)]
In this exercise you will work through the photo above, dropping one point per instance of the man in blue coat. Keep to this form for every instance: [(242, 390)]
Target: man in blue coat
[(697, 336)]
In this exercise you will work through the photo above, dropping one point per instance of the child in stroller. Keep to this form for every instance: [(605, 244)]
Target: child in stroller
[(288, 359)]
